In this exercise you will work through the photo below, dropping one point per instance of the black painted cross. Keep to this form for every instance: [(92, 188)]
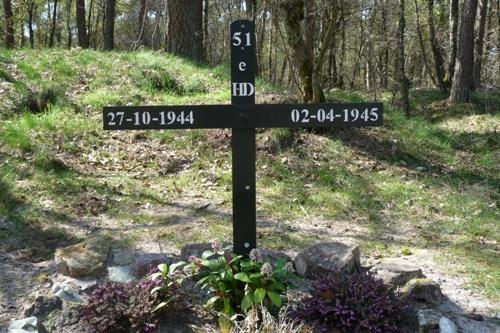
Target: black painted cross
[(243, 116)]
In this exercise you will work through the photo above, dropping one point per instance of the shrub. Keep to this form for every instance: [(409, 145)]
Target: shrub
[(239, 284), (126, 307), (156, 78), (355, 303), (37, 100)]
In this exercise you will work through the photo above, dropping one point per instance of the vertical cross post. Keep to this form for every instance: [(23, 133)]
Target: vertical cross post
[(243, 139)]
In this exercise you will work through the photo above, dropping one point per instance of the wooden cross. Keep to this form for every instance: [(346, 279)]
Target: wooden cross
[(243, 116)]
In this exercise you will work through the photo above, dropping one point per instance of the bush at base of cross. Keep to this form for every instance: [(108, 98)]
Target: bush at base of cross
[(237, 283)]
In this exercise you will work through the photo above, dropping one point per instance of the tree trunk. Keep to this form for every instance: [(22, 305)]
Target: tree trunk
[(53, 27), (109, 21), (89, 22), (206, 44), (251, 8), (479, 41), (260, 42), (310, 27), (342, 54), (463, 76), (80, 24), (293, 12), (143, 23), (282, 72), (9, 24), (436, 52), (498, 39), (422, 45), (385, 54), (68, 25), (453, 24), (404, 83), (270, 55), (31, 9), (318, 95), (185, 28)]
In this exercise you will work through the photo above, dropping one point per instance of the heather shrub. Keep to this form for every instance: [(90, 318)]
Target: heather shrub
[(356, 303), (126, 307)]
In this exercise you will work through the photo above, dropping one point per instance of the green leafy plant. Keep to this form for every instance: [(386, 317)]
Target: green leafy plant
[(240, 283), (171, 277)]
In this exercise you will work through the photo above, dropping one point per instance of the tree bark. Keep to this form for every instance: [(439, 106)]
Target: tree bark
[(404, 83), (185, 28), (109, 22), (463, 76), (385, 55), (310, 27), (80, 24), (68, 25), (436, 52), (479, 42), (9, 24), (293, 12), (453, 25), (206, 44), (31, 8), (318, 95), (340, 81), (53, 27), (422, 45), (143, 23), (251, 8)]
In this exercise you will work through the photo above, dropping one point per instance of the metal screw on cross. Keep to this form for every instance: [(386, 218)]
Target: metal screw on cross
[(243, 116)]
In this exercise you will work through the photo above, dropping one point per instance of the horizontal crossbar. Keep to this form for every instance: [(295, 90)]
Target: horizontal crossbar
[(243, 116)]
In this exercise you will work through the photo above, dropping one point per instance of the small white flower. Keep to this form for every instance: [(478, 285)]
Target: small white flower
[(289, 267), (267, 271), (255, 255)]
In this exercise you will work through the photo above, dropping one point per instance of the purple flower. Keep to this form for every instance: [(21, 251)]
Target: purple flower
[(352, 303)]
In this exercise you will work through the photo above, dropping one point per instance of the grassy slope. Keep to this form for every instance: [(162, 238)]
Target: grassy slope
[(432, 179)]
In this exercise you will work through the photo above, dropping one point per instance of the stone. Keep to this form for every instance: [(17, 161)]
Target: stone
[(447, 326), (145, 261), (66, 293), (83, 259), (271, 256), (122, 257), (42, 306), (396, 272), (30, 324), (66, 320), (121, 274), (467, 325), (85, 284), (195, 249), (327, 258), (428, 321), (423, 290)]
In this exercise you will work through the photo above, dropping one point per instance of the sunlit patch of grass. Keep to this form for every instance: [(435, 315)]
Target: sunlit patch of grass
[(478, 263), (31, 72), (345, 96), (101, 97)]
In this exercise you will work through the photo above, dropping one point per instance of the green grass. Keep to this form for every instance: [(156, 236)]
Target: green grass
[(431, 179)]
